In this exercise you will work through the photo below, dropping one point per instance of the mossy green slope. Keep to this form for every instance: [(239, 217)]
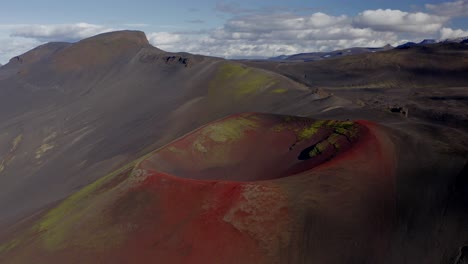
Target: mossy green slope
[(238, 81)]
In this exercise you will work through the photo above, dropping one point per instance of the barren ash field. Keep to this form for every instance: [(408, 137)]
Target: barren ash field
[(115, 151)]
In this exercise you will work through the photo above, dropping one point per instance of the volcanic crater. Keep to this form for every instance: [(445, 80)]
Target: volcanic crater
[(253, 147)]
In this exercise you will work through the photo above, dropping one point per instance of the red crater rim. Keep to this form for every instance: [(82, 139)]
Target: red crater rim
[(254, 147)]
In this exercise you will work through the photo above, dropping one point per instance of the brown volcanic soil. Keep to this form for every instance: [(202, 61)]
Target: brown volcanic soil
[(63, 125)]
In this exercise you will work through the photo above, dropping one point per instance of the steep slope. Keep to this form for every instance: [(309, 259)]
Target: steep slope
[(80, 109)]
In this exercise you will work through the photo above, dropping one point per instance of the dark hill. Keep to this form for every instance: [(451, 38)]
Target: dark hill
[(69, 112), (428, 81), (442, 65)]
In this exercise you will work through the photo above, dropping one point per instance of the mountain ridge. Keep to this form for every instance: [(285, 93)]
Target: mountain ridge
[(411, 66), (82, 119), (314, 56)]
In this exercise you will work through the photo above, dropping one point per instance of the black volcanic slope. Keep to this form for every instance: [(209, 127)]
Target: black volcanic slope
[(436, 65), (427, 81), (69, 112)]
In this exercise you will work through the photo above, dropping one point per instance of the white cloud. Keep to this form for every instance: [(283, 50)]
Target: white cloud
[(242, 48), (59, 32), (16, 39), (451, 9), (258, 33), (10, 47), (274, 34), (265, 23), (399, 21), (447, 33), (164, 40), (262, 34)]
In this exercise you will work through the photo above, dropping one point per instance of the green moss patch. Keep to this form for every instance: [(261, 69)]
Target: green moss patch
[(9, 245), (58, 225), (279, 90), (237, 80)]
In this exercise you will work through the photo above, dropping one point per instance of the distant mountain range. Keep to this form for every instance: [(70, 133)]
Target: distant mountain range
[(462, 40), (440, 64), (316, 56), (457, 40)]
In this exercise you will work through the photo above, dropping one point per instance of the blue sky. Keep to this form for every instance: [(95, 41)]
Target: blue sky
[(233, 29)]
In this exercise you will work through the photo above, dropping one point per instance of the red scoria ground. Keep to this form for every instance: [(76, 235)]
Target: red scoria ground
[(250, 188)]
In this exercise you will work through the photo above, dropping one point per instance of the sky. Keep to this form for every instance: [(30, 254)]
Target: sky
[(240, 29)]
